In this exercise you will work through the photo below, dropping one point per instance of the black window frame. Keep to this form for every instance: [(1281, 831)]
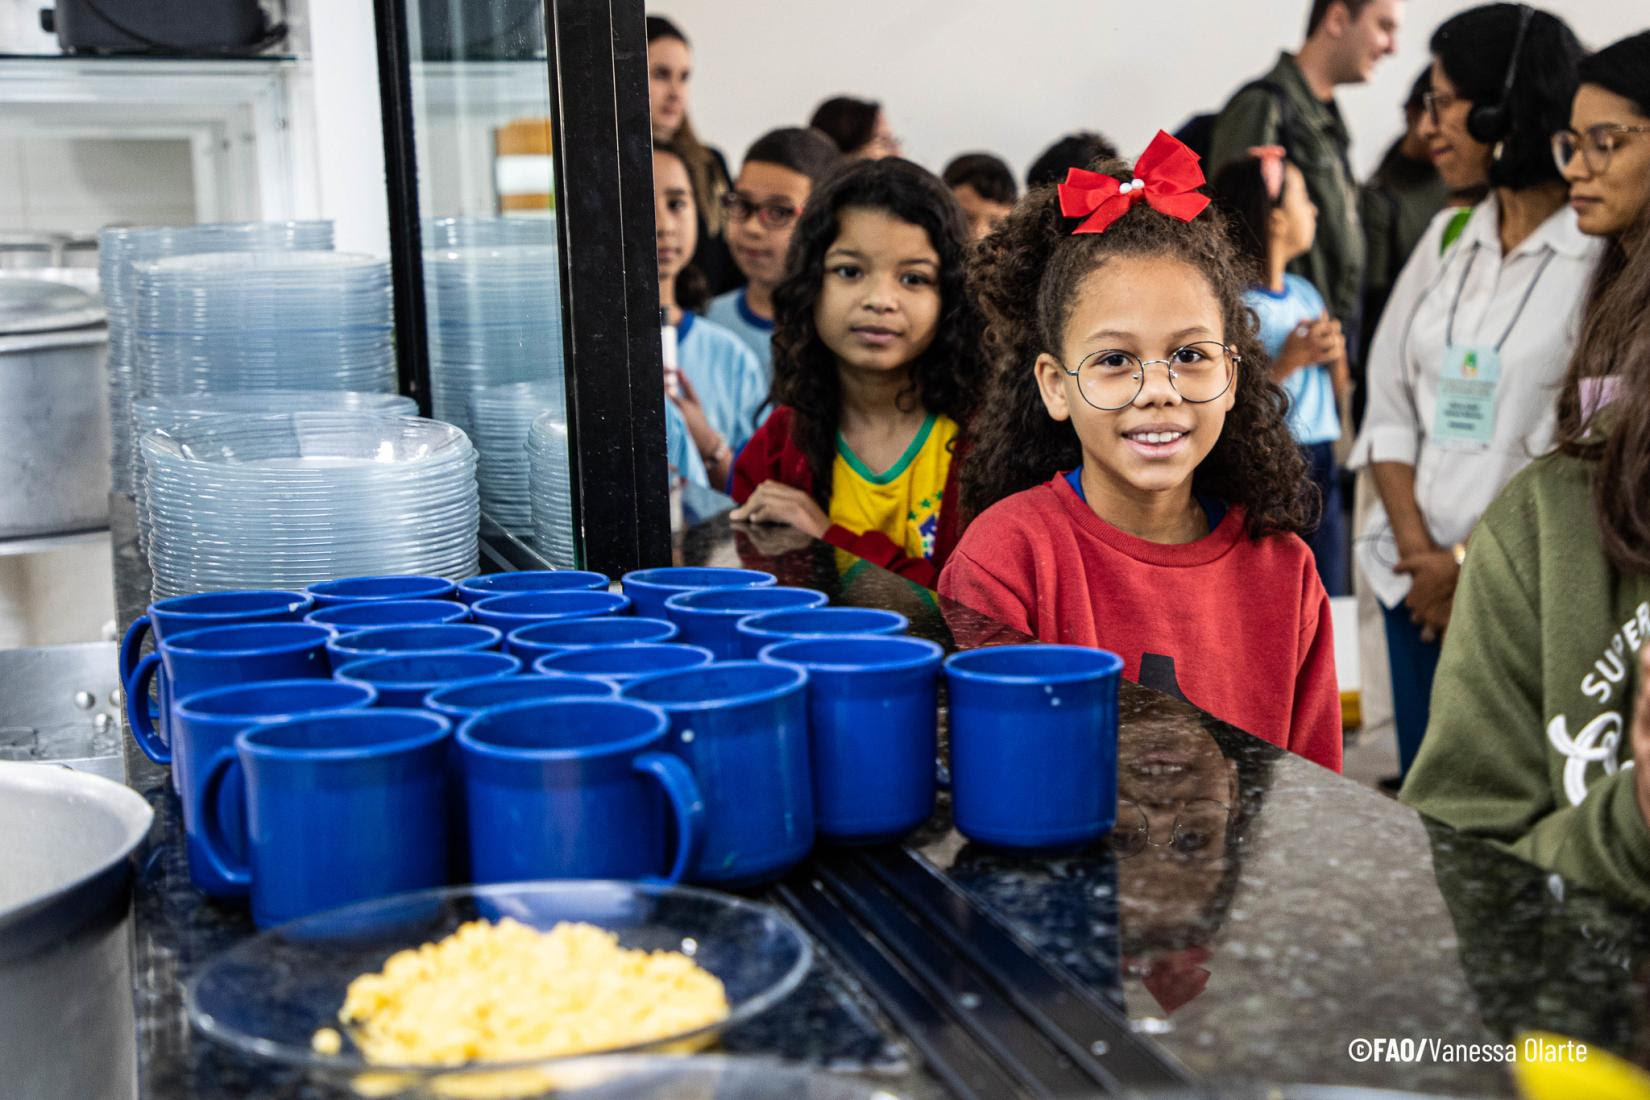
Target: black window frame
[(602, 152)]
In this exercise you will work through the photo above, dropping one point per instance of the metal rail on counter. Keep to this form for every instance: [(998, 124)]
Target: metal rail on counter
[(990, 1015)]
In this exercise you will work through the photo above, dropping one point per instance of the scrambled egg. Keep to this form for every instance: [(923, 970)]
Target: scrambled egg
[(506, 992)]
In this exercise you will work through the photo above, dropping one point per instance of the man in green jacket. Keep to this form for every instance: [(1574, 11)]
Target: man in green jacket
[(1294, 106), (1535, 740)]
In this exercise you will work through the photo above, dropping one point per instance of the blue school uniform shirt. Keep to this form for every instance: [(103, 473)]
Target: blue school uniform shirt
[(725, 374), (1314, 416), (679, 449), (733, 312)]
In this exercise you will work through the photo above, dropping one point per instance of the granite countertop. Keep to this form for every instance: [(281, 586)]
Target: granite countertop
[(1321, 913), (1326, 912)]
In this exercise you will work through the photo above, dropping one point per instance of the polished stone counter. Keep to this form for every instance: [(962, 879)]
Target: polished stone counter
[(1322, 912), (1254, 947)]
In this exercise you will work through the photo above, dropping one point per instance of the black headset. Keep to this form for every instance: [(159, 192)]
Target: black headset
[(1491, 122)]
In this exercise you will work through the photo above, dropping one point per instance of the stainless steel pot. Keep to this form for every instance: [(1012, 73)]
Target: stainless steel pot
[(54, 417), (67, 1026)]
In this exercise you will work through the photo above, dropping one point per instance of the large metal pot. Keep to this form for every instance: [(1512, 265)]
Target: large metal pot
[(54, 417), (67, 1026)]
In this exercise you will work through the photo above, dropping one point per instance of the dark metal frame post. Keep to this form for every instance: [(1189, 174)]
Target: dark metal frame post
[(602, 145), (401, 181)]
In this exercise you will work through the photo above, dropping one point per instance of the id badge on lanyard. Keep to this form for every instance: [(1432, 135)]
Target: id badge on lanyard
[(1466, 395), (1471, 373)]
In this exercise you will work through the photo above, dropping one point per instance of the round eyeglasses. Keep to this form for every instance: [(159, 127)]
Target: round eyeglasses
[(772, 215), (1199, 830), (1199, 372), (1595, 145)]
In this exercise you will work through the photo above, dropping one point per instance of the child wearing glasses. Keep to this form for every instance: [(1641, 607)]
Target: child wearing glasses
[(721, 387), (780, 171), (876, 371), (1133, 483), (1272, 221)]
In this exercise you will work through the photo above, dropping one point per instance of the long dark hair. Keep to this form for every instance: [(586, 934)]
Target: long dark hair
[(1475, 48), (945, 378), (692, 288), (1615, 342), (1026, 276), (704, 170), (1240, 190)]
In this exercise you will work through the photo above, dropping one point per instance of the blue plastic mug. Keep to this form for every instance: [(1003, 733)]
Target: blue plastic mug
[(181, 614), (742, 727), (421, 638), (872, 721), (513, 610), (208, 721), (458, 702), (531, 580), (571, 788), (461, 701), (404, 679), (341, 807), (710, 616), (648, 589), (623, 663), (1033, 743), (217, 657), (544, 638), (353, 589), (364, 614), (759, 631)]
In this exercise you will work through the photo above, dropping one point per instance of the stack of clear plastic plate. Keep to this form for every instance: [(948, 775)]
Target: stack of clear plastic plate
[(284, 501), (500, 417), (551, 489), (172, 413), (264, 321), (475, 232), (120, 248), (494, 317)]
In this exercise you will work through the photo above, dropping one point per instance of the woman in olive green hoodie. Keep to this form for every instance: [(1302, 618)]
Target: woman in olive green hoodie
[(1535, 738)]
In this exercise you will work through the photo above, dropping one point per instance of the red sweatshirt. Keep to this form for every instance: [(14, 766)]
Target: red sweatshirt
[(1235, 626), (772, 455)]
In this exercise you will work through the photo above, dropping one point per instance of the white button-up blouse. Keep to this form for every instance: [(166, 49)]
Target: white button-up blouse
[(1529, 302)]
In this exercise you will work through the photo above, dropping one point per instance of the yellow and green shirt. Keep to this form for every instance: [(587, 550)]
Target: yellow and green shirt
[(902, 502)]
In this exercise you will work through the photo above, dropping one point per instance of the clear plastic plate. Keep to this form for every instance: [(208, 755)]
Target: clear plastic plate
[(267, 996)]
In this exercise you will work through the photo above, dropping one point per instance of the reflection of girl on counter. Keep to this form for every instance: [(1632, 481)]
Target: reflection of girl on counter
[(1134, 482), (876, 370), (1535, 732)]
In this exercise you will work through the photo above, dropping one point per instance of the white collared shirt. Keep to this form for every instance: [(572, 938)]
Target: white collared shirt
[(1530, 301)]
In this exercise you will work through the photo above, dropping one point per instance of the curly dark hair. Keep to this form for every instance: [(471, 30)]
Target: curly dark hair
[(1026, 276), (946, 378)]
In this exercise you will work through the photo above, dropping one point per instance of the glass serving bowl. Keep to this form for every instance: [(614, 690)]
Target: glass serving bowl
[(267, 996)]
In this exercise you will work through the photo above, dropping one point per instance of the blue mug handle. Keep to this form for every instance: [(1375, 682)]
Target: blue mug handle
[(686, 803), (215, 810), (130, 644), (137, 710)]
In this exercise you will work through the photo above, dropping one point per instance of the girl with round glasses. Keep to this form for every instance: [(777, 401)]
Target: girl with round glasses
[(1134, 485), (1540, 733)]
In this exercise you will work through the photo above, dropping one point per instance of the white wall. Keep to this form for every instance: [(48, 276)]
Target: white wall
[(956, 75), (77, 186)]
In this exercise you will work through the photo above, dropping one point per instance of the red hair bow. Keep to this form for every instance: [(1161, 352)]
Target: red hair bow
[(1166, 176)]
